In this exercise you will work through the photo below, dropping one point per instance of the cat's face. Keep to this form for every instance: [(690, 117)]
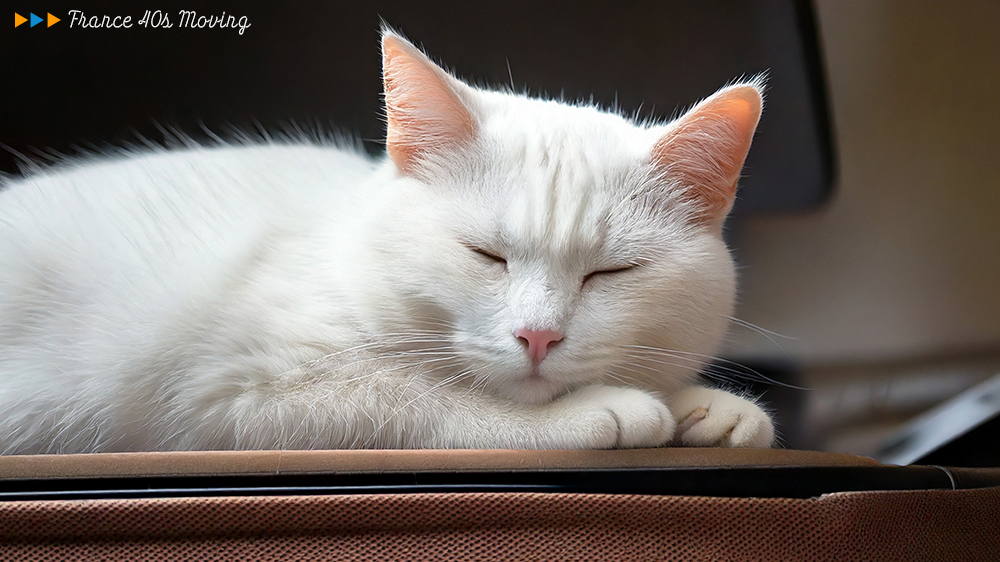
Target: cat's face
[(556, 246)]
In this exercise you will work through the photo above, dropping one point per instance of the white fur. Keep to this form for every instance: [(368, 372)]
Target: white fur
[(304, 296)]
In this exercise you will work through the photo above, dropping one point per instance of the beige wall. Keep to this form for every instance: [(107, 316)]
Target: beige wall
[(905, 260)]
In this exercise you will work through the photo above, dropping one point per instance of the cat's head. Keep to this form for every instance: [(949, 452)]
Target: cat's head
[(554, 245)]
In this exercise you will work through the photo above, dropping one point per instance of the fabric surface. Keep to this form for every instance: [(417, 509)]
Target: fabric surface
[(926, 525)]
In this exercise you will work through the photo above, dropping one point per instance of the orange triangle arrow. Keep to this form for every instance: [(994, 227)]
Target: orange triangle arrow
[(52, 20), (19, 19)]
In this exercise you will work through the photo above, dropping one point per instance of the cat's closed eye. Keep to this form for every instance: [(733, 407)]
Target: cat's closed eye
[(489, 256), (606, 272)]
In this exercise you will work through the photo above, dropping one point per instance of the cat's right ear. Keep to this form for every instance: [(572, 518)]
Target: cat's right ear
[(423, 105), (704, 150)]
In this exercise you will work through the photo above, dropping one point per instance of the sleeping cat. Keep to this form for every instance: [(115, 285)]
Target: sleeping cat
[(517, 273)]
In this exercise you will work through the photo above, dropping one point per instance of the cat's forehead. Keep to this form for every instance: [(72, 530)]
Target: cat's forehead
[(559, 176), (548, 132)]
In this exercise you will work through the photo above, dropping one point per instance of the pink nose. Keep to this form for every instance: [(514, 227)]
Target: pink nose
[(538, 341)]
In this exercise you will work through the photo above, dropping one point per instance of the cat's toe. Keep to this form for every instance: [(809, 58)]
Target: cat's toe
[(715, 418), (754, 429), (612, 417), (727, 429), (643, 421)]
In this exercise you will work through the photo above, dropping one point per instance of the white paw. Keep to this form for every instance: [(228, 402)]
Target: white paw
[(715, 418), (604, 417)]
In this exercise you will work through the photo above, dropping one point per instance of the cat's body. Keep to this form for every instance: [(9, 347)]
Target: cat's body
[(488, 285)]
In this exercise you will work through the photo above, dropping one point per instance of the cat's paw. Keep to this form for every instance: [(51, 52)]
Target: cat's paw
[(715, 418), (605, 417)]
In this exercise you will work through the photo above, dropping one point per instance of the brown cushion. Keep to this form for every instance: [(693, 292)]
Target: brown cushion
[(948, 524), (926, 525)]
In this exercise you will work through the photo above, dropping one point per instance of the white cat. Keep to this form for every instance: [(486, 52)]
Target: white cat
[(518, 273)]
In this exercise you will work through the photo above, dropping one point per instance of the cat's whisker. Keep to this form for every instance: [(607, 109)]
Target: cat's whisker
[(759, 329), (689, 363), (714, 372), (480, 381), (641, 368), (683, 363), (771, 336), (314, 365), (445, 382), (403, 337), (717, 367), (620, 378)]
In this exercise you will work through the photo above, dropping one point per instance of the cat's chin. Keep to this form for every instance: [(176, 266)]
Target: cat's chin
[(532, 388)]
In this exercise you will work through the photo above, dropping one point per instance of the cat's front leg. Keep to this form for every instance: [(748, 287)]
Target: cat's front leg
[(592, 417), (708, 417), (605, 417)]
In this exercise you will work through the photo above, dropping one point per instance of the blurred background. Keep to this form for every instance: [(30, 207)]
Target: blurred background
[(867, 229), (890, 292)]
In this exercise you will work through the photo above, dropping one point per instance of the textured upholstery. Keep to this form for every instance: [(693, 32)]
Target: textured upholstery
[(953, 525), (881, 525)]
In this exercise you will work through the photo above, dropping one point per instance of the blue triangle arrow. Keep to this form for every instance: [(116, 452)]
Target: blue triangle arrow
[(35, 20)]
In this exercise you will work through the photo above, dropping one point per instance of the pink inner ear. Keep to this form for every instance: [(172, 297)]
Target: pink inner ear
[(425, 113), (705, 149)]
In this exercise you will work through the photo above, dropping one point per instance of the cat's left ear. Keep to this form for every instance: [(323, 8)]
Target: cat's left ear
[(704, 150), (424, 105)]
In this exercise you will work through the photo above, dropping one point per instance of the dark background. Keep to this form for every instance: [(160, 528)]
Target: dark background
[(317, 64)]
